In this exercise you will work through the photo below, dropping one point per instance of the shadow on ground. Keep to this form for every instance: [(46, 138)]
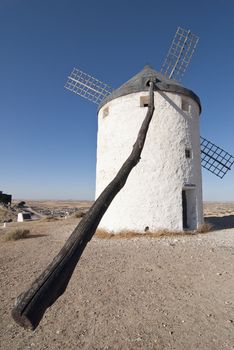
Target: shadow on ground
[(221, 222), (35, 236)]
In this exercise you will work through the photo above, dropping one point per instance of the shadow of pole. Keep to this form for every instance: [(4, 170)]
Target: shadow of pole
[(173, 104)]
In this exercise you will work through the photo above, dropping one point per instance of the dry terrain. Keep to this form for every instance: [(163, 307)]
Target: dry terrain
[(139, 293)]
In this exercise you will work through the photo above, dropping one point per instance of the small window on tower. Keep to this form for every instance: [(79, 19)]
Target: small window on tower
[(105, 112), (188, 153), (185, 105), (144, 101)]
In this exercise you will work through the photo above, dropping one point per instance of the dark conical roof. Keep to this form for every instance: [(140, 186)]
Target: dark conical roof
[(144, 75), (139, 83)]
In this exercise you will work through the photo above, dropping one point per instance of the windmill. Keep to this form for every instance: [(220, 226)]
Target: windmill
[(175, 108), (210, 156)]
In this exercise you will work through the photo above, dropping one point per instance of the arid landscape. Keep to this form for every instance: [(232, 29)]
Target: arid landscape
[(127, 293)]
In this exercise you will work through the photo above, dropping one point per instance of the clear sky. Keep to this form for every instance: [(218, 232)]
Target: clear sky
[(48, 134)]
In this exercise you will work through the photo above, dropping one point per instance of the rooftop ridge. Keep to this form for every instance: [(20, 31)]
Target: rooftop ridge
[(139, 82)]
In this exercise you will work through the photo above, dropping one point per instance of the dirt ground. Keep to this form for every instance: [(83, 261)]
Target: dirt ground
[(139, 293)]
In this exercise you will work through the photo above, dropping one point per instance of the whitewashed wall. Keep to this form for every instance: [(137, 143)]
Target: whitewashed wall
[(152, 196)]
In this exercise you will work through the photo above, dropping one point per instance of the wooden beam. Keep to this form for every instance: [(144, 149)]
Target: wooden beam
[(45, 290)]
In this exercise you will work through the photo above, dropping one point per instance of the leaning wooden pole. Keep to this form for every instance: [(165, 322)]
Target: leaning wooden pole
[(45, 290)]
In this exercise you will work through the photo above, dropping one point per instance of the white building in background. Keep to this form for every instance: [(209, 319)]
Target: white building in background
[(24, 216), (164, 190)]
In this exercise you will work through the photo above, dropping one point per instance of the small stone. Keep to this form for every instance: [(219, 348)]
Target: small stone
[(57, 332)]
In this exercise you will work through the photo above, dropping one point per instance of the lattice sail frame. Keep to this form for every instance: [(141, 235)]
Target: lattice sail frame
[(87, 86), (215, 159), (180, 54)]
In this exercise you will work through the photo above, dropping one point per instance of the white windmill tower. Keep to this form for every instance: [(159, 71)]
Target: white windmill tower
[(165, 189)]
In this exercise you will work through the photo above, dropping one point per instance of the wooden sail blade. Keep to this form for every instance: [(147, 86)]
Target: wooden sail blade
[(180, 54), (87, 86), (215, 159)]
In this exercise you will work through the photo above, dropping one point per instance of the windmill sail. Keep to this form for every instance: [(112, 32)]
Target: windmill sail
[(179, 54), (87, 86), (215, 159)]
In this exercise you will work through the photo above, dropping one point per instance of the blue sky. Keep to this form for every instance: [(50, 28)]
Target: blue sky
[(48, 134)]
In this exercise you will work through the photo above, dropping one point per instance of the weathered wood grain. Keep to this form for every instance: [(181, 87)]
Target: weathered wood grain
[(45, 290)]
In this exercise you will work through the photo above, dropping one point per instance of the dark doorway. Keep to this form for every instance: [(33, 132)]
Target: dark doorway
[(184, 206)]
